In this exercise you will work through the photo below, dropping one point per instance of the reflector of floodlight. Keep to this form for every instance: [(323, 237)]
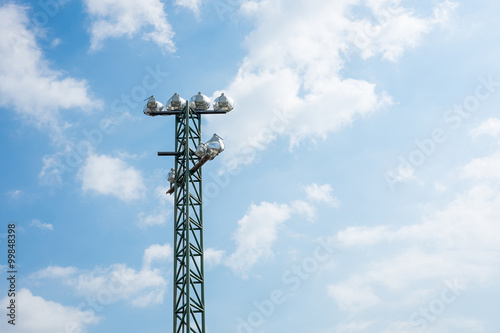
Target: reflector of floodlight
[(199, 102), (201, 150), (223, 103), (175, 103), (215, 146), (171, 175), (153, 106)]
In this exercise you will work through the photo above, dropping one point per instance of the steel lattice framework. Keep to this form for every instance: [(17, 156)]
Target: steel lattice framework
[(189, 289), (186, 183)]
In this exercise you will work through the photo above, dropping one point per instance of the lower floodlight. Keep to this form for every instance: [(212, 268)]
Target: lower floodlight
[(199, 102), (175, 103), (223, 103), (152, 106), (171, 175), (215, 146), (201, 150)]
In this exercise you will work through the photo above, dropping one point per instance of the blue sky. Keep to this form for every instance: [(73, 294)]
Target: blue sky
[(358, 191)]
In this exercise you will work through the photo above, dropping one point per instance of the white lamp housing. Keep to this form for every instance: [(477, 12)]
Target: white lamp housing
[(171, 176), (215, 146), (223, 103), (153, 106), (175, 103), (212, 148), (201, 150), (199, 102)]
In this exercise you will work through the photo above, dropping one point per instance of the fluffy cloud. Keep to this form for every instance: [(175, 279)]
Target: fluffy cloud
[(42, 316), (352, 296), (256, 232), (117, 18), (117, 282), (29, 86), (290, 83), (156, 252), (213, 256), (193, 5), (111, 176), (489, 127), (393, 29), (322, 193)]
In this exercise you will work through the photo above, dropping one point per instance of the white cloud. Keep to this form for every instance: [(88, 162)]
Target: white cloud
[(353, 296), (117, 18), (117, 282), (290, 83), (489, 127), (15, 194), (255, 235), (322, 193), (305, 209), (158, 217), (193, 5), (486, 168), (55, 272), (258, 229), (40, 225), (42, 316), (459, 240), (213, 256), (156, 252), (141, 288), (394, 29), (111, 176), (29, 86)]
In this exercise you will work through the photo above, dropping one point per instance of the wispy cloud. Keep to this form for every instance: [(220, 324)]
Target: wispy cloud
[(44, 226)]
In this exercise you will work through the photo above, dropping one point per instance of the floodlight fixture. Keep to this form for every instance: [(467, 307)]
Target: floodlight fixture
[(175, 103), (171, 176), (211, 148), (152, 106), (201, 150), (223, 103), (199, 102)]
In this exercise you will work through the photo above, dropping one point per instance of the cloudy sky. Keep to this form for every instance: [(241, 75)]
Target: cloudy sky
[(359, 188)]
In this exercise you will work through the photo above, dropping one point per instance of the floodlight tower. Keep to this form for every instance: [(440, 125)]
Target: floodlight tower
[(186, 182)]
